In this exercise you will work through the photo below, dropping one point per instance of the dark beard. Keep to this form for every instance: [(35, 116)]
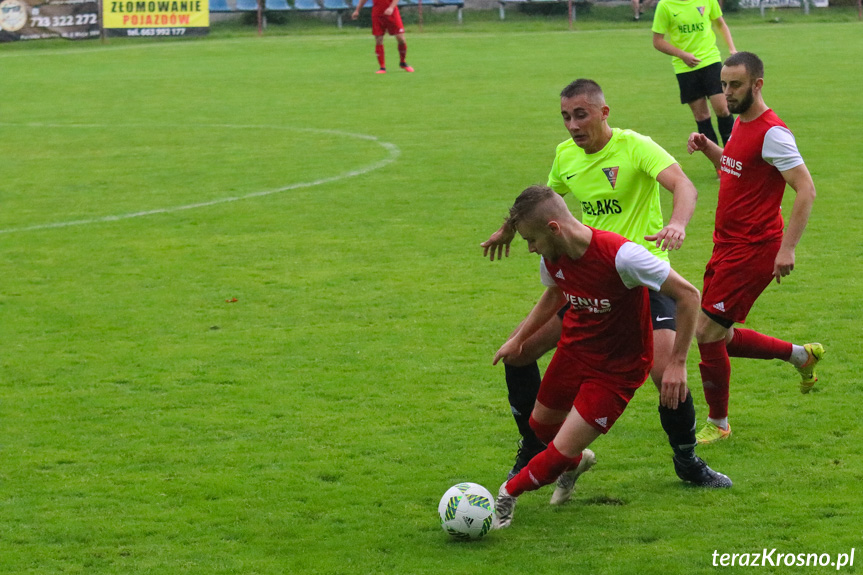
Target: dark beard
[(743, 104)]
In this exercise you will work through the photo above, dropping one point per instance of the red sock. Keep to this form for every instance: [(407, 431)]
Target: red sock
[(379, 50), (715, 376), (544, 432), (543, 469), (403, 51), (750, 343)]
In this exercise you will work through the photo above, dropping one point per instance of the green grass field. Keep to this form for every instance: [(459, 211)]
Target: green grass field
[(151, 424)]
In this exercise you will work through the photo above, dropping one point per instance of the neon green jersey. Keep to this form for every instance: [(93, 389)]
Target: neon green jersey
[(616, 186), (687, 25)]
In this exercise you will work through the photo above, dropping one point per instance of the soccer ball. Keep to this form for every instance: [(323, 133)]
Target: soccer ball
[(466, 511)]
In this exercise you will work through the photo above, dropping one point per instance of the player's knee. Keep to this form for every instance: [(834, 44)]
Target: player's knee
[(545, 432)]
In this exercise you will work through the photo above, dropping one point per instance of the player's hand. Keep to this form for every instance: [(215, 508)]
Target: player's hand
[(355, 14), (497, 242), (674, 389), (388, 11), (690, 60), (783, 264), (697, 142), (668, 238), (512, 348)]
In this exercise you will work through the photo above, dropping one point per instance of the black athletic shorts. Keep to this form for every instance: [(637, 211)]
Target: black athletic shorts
[(701, 83), (663, 311)]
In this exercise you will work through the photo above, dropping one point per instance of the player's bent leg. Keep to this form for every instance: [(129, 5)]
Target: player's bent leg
[(549, 465), (572, 440), (523, 381)]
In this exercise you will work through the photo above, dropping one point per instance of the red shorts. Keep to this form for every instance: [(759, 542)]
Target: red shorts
[(598, 397), (735, 276), (382, 23)]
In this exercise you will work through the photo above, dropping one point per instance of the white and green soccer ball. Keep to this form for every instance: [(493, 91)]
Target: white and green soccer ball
[(466, 511)]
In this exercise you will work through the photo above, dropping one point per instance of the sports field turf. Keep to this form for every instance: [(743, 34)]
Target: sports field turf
[(151, 424)]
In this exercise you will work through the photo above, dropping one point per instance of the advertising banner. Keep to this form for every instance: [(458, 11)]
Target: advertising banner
[(155, 17), (38, 19)]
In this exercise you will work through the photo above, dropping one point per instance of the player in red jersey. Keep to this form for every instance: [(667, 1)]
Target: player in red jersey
[(386, 18), (750, 248), (606, 345)]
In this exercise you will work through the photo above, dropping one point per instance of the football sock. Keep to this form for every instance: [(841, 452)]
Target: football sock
[(721, 422), (750, 343), (379, 50), (403, 52), (725, 124), (679, 425), (715, 376), (545, 432), (706, 128), (522, 382), (799, 356), (544, 469)]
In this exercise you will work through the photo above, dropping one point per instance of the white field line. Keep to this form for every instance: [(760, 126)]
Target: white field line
[(393, 153)]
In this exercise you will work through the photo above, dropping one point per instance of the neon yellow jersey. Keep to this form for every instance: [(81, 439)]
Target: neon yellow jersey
[(616, 186), (686, 24)]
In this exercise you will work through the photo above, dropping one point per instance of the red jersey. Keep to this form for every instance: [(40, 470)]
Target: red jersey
[(750, 188), (607, 325)]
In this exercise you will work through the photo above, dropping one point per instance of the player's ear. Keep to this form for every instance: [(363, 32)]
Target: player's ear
[(554, 227), (606, 111), (759, 83)]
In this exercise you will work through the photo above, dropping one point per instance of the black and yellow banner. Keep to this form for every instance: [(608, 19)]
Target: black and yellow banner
[(155, 17), (38, 19)]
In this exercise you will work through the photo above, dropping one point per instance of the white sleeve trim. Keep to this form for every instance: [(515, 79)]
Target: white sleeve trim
[(780, 149), (639, 267), (544, 275)]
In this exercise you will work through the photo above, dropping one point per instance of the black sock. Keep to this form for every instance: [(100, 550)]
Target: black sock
[(679, 425), (706, 127), (523, 385), (725, 124)]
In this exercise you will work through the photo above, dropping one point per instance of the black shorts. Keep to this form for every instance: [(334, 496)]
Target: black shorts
[(701, 83), (663, 311)]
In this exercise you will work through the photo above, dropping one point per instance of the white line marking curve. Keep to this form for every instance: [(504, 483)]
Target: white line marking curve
[(393, 153)]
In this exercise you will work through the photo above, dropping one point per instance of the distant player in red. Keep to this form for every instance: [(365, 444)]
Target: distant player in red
[(750, 248), (386, 18), (606, 345)]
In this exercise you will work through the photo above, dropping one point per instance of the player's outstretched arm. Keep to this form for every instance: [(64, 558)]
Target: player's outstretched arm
[(801, 182), (688, 301), (685, 195), (499, 240), (701, 143), (548, 305), (720, 25)]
